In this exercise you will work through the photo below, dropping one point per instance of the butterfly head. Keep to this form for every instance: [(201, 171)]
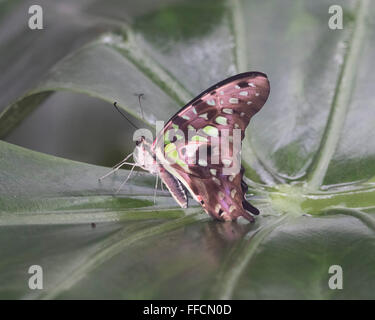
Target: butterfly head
[(144, 156)]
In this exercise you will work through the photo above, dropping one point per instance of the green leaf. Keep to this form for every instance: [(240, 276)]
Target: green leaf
[(309, 158)]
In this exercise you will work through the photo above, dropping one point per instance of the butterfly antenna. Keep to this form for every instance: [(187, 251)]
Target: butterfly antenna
[(126, 180), (156, 187), (117, 166), (123, 114), (140, 96)]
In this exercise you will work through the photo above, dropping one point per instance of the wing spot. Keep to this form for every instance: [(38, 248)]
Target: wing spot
[(231, 178), (228, 111), (216, 180), (236, 126), (251, 84), (233, 100), (221, 92), (211, 102), (232, 208), (204, 116), (226, 162), (244, 93), (237, 86), (186, 117), (190, 127), (194, 110), (221, 120), (257, 94), (211, 131), (213, 172), (221, 101), (242, 114), (221, 195), (233, 193), (202, 162), (249, 102), (169, 147), (225, 217), (191, 149), (218, 208), (199, 138)]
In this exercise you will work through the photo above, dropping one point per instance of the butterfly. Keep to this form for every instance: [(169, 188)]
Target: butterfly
[(222, 112)]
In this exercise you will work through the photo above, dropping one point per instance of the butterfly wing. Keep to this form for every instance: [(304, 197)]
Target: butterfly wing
[(201, 124)]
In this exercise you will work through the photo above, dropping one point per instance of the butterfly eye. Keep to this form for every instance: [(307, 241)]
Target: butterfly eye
[(140, 140)]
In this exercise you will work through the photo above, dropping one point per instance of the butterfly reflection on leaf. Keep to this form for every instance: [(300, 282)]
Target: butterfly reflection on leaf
[(188, 153)]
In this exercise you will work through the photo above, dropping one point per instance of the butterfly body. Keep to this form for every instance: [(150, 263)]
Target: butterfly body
[(190, 150)]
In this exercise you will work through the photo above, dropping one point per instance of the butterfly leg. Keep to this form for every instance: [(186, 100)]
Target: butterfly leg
[(117, 166), (126, 180)]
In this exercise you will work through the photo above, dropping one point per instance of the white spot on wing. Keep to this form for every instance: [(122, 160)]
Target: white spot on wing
[(226, 162), (233, 100), (216, 180), (211, 102), (202, 162), (204, 116), (217, 208)]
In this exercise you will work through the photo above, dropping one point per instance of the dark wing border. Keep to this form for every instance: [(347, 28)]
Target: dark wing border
[(217, 85)]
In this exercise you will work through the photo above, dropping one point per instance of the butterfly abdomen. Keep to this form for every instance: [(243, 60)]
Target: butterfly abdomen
[(174, 186)]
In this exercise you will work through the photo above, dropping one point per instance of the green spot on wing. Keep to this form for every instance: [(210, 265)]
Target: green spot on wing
[(166, 138), (170, 147), (199, 138), (221, 120), (173, 155), (211, 131)]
